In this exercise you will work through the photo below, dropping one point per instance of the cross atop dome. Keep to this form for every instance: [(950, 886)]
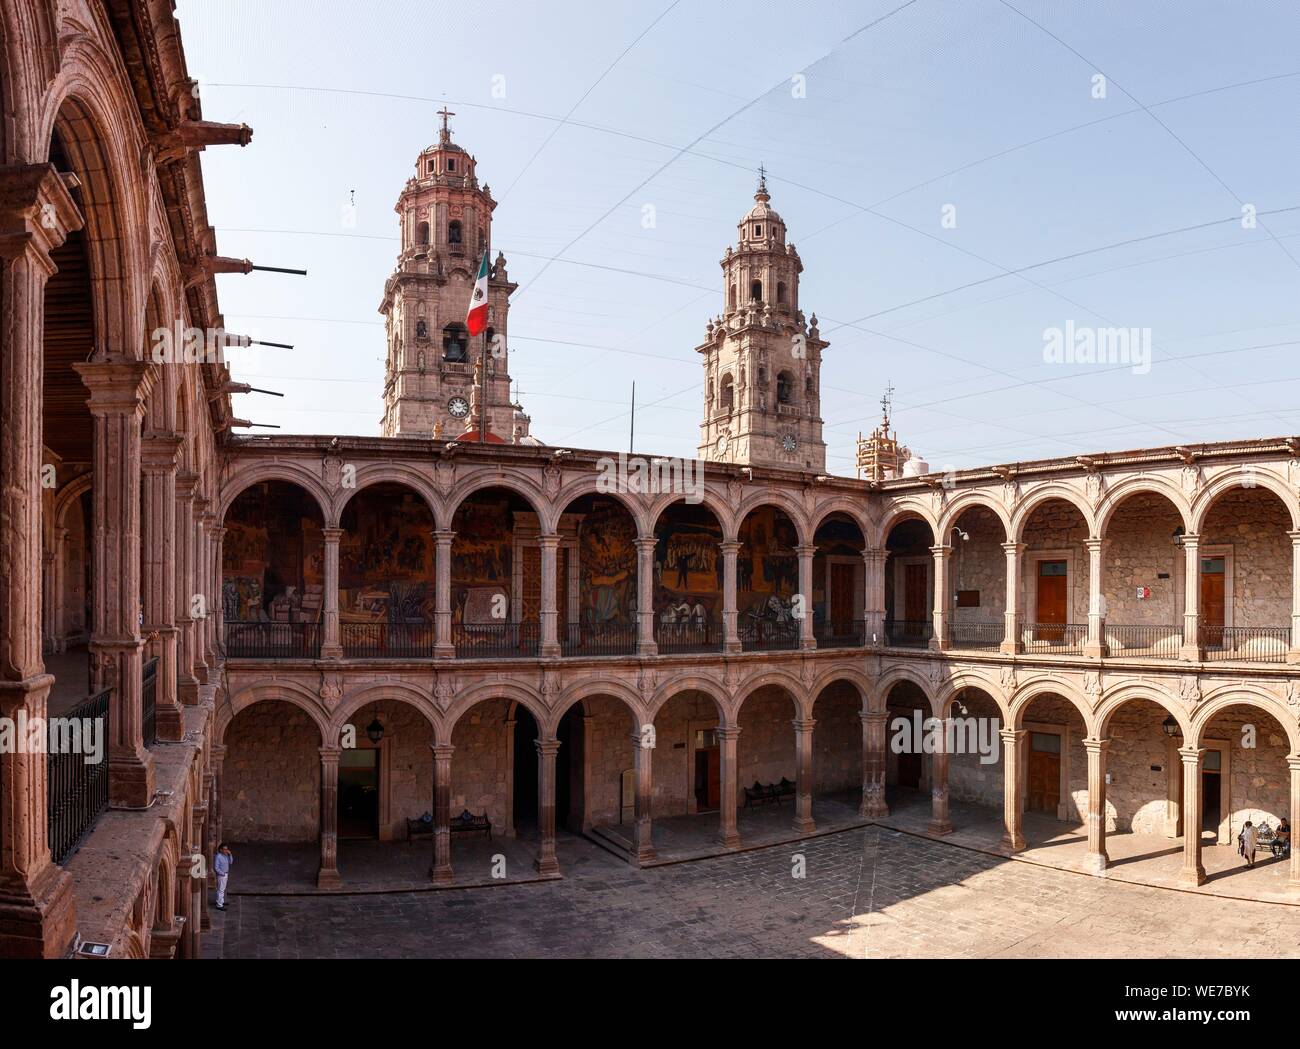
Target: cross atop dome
[(444, 135), (761, 194)]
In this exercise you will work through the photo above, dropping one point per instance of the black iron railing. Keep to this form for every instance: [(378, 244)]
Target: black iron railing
[(765, 635), (908, 633), (840, 633), (77, 790), (605, 640), (149, 696), (495, 640), (1143, 642), (688, 637), (258, 640), (1255, 644), (1056, 639), (975, 636), (387, 640)]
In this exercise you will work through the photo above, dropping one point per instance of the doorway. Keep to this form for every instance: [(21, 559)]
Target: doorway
[(708, 770), (1053, 577), (1211, 799), (1213, 577), (1044, 773), (916, 592), (359, 793), (841, 603)]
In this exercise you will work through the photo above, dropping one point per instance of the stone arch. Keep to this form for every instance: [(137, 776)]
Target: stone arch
[(692, 683), (269, 692), (525, 697), (1045, 493), (852, 508), (582, 691), (891, 677), (1121, 695), (1242, 477), (1130, 486), (783, 679), (397, 691), (511, 481), (944, 696), (1025, 695), (69, 494), (710, 501), (906, 509), (289, 473), (370, 474), (779, 500), (857, 678), (589, 484), (963, 501), (1239, 695)]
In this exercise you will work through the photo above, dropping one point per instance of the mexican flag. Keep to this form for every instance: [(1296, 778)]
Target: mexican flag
[(477, 317)]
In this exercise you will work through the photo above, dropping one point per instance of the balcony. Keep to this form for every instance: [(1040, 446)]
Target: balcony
[(259, 640), (77, 791), (387, 640), (1144, 642), (496, 640), (1055, 639), (1253, 644), (840, 633), (677, 638), (978, 637), (908, 633), (605, 640), (768, 635)]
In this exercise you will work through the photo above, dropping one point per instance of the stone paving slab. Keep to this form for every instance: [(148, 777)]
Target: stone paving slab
[(868, 893)]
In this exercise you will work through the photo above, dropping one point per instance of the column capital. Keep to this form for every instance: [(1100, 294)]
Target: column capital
[(1295, 537), (160, 453), (728, 732), (1095, 746), (874, 716), (730, 546), (643, 542), (442, 751), (443, 535), (330, 755), (642, 741), (1093, 543), (803, 724), (941, 551), (806, 549), (1012, 736), (1191, 541), (549, 539), (332, 535), (1013, 548), (118, 385), (547, 747), (36, 211), (1293, 762), (185, 483), (1191, 755)]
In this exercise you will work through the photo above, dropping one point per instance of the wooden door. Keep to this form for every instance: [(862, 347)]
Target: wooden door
[(1052, 595), (1044, 773), (841, 601), (916, 587), (531, 602), (1213, 579), (708, 778)]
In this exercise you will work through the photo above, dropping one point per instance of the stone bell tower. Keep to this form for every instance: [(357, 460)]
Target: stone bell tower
[(429, 377), (762, 363)]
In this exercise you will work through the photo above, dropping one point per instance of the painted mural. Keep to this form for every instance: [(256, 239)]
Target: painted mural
[(273, 557), (607, 566), (386, 558), (481, 562)]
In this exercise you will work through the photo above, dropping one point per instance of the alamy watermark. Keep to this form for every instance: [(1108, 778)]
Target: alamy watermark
[(28, 735), (956, 735), (636, 475), (1085, 345)]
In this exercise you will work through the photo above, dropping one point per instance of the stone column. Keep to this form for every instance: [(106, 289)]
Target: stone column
[(1096, 859), (643, 742), (49, 570), (441, 873), (1192, 599), (443, 647), (873, 765), (873, 560), (218, 618), (187, 684), (807, 638), (158, 576), (645, 595), (1293, 655), (728, 738), (942, 598), (199, 919), (37, 917), (119, 389), (328, 875), (1012, 741), (193, 525), (548, 613), (939, 821), (546, 863), (803, 776), (1095, 646), (331, 647), (212, 533), (61, 554), (1293, 879), (730, 635), (214, 806), (1014, 616), (1193, 872)]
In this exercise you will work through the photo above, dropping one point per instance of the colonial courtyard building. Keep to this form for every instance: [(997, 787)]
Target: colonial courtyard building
[(305, 643)]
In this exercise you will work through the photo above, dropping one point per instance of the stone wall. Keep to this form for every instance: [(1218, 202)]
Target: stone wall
[(837, 739), (406, 768), (608, 744), (765, 752), (979, 564), (481, 764), (1259, 787), (674, 771), (970, 778), (1255, 524), (1139, 548), (1056, 525), (271, 775)]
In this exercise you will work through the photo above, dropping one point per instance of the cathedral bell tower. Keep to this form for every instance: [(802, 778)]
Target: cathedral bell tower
[(429, 377), (762, 363)]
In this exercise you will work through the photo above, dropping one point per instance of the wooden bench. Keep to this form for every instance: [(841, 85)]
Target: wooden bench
[(768, 793), (418, 829), (465, 823)]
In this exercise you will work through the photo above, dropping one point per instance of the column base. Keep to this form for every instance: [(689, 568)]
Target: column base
[(441, 875), (547, 866), (644, 854), (328, 878), (808, 644), (187, 691), (729, 840), (1293, 656), (647, 648), (40, 921), (873, 810), (938, 644), (552, 651), (331, 651), (1094, 650), (1013, 843), (171, 723), (1192, 653), (1095, 863), (444, 651), (1190, 877), (131, 781), (805, 825), (732, 648), (939, 827), (1010, 648)]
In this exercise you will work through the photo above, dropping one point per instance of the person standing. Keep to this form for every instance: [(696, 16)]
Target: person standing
[(1248, 840), (221, 864)]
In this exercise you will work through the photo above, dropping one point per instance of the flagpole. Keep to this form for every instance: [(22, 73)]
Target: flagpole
[(631, 436), (483, 393)]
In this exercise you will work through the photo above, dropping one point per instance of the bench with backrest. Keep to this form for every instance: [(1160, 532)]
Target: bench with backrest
[(465, 823), (768, 793)]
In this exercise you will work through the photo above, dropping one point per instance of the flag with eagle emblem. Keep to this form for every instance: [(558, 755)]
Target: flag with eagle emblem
[(477, 317)]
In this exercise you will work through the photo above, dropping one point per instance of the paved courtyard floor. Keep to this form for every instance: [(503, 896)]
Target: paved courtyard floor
[(871, 892)]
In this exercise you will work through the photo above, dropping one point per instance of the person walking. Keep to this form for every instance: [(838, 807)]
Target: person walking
[(1248, 840), (221, 864)]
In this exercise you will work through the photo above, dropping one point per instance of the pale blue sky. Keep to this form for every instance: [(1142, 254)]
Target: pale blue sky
[(981, 104)]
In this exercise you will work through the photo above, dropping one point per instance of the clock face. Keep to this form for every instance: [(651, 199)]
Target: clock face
[(722, 444), (458, 407), (789, 442)]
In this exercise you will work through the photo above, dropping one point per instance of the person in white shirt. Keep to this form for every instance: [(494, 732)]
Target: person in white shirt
[(1248, 842), (221, 864)]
